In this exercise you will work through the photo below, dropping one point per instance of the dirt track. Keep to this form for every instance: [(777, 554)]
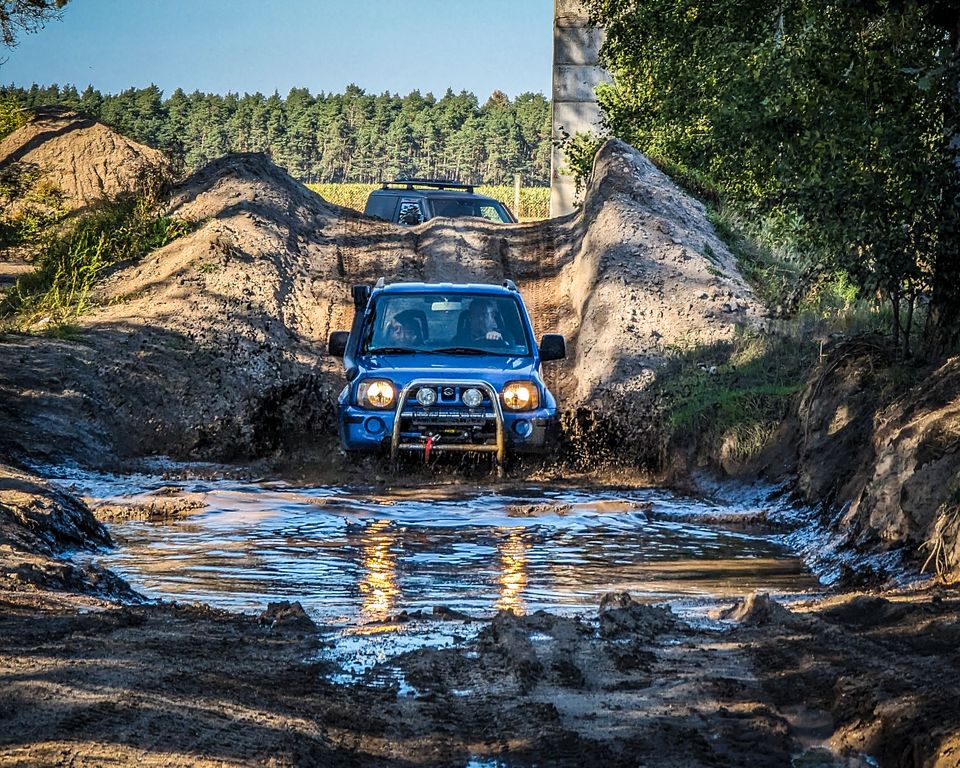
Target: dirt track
[(213, 347), (88, 680), (87, 683)]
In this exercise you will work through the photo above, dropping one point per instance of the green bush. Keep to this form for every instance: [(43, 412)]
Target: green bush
[(67, 266), (40, 205), (731, 397), (12, 115)]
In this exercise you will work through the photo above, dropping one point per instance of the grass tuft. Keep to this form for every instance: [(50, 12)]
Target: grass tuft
[(71, 260), (729, 398)]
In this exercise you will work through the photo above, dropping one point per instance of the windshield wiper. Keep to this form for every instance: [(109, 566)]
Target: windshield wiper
[(392, 351), (463, 351)]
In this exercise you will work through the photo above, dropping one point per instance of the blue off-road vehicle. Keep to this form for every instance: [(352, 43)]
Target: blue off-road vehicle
[(444, 367)]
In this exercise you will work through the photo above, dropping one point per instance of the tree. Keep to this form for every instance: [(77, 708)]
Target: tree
[(353, 136), (829, 123), (26, 16)]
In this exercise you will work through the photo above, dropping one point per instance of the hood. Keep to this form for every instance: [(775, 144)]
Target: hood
[(494, 369)]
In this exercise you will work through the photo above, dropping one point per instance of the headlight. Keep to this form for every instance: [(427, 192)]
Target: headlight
[(375, 393), (472, 397), (426, 396), (521, 396)]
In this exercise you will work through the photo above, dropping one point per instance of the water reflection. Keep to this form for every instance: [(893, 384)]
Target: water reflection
[(378, 587), (356, 559), (513, 571)]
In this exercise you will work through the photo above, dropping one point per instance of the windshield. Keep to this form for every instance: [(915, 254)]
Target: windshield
[(453, 323), (455, 207)]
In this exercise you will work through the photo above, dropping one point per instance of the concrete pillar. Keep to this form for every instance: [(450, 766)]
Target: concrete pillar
[(576, 52)]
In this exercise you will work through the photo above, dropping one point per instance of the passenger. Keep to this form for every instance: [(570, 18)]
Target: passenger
[(403, 329), (483, 322)]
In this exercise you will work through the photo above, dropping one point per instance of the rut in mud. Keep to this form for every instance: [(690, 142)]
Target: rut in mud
[(213, 347)]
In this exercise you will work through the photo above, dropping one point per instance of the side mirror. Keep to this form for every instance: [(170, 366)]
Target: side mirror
[(552, 347), (361, 295), (337, 345)]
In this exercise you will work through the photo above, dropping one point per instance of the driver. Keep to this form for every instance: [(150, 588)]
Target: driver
[(483, 321)]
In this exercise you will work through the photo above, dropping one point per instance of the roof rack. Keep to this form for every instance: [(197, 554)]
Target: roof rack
[(510, 286), (435, 183)]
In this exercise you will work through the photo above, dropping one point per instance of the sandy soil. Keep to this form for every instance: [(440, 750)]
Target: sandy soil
[(77, 158), (214, 348), (90, 675)]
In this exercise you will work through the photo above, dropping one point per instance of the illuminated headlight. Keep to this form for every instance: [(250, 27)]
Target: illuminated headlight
[(375, 393), (521, 396), (426, 396), (472, 397)]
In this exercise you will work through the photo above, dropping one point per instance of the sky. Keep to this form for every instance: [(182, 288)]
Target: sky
[(218, 46)]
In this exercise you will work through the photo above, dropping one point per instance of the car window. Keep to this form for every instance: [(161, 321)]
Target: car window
[(490, 212), (410, 212), (457, 323), (464, 206)]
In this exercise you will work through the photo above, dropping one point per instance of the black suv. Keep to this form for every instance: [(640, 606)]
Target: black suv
[(413, 201)]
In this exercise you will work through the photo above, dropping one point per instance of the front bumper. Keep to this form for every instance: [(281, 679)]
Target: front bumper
[(487, 428)]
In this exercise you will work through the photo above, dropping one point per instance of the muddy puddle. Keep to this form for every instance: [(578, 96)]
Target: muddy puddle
[(387, 572), (408, 588), (355, 557)]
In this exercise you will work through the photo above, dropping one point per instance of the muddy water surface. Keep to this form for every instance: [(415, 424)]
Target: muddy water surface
[(356, 557)]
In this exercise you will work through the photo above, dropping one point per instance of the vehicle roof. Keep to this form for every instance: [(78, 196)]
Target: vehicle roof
[(427, 192), (488, 288)]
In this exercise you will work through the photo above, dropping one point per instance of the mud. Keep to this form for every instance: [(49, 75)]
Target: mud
[(87, 683), (836, 681), (214, 347)]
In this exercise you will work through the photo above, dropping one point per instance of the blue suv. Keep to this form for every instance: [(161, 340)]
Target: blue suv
[(444, 367)]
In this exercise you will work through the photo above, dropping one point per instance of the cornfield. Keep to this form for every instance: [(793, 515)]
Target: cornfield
[(534, 201)]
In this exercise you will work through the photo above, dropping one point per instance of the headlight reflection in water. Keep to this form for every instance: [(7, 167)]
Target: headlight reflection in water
[(378, 587), (513, 571)]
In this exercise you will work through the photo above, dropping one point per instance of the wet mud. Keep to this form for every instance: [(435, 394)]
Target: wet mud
[(411, 664), (341, 621)]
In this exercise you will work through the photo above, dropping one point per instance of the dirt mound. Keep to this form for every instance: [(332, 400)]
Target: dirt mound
[(38, 517), (911, 492), (895, 455), (80, 158), (287, 615), (214, 346), (758, 609), (865, 611), (622, 616), (39, 522)]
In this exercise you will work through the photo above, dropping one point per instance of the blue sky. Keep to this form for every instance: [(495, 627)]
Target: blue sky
[(267, 45)]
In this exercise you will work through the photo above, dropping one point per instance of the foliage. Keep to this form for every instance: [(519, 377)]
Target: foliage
[(729, 398), (534, 201), (328, 138), (26, 16), (830, 125), (39, 205), (70, 263), (579, 151), (12, 116)]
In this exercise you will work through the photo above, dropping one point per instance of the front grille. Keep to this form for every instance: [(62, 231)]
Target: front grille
[(449, 426), (448, 423)]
